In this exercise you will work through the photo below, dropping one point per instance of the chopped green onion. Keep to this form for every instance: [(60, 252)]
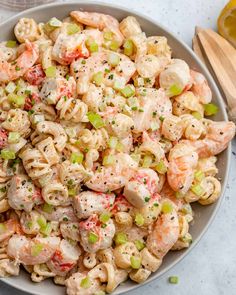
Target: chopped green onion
[(3, 228), (147, 199), (85, 283), (11, 44), (128, 91), (51, 72), (197, 189), (11, 87), (174, 90), (166, 207), (47, 208), (104, 217), (135, 262), (161, 167), (108, 160), (92, 238), (173, 280), (112, 143), (17, 100), (76, 158), (128, 47), (114, 45), (42, 222), (7, 154), (108, 36), (161, 118), (121, 238), (13, 137), (210, 109), (197, 115), (199, 175), (139, 220), (67, 77), (95, 120), (139, 245), (113, 59), (147, 161), (92, 45), (72, 29), (36, 249), (98, 78)]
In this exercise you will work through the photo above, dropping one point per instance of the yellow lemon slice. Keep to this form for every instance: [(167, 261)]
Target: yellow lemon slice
[(227, 22)]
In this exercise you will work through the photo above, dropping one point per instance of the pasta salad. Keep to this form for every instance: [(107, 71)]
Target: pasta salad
[(103, 148)]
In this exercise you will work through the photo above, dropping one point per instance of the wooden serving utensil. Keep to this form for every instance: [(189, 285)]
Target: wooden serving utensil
[(221, 55)]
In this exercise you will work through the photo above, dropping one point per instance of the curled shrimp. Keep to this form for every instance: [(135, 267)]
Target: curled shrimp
[(218, 136), (13, 70), (200, 87), (32, 251), (164, 234), (182, 161), (100, 21)]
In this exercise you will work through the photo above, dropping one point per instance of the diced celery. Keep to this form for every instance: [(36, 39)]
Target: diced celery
[(108, 36), (128, 91), (54, 22), (11, 44), (47, 229), (173, 280), (197, 115), (114, 45), (210, 109), (42, 222), (98, 78), (166, 207), (72, 191), (112, 142), (147, 161), (104, 217), (51, 72), (72, 29), (38, 118), (136, 157), (36, 249), (119, 147), (113, 59), (139, 220), (95, 120), (199, 175), (13, 137), (128, 47), (118, 85), (3, 228), (161, 167), (175, 90), (135, 262), (92, 45), (7, 154), (85, 283), (17, 100), (108, 160), (154, 126), (11, 87), (139, 245), (121, 238), (76, 158), (92, 238), (179, 195), (133, 102), (197, 189)]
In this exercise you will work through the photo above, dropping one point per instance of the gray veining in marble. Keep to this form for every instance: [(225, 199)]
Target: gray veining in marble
[(210, 269)]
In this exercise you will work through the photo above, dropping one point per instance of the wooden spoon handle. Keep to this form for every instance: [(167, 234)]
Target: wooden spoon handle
[(222, 57)]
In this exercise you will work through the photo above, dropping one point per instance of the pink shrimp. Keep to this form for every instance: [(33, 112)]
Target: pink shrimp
[(182, 161), (200, 87), (164, 234), (35, 75), (100, 21), (218, 136), (64, 259), (13, 70), (32, 251)]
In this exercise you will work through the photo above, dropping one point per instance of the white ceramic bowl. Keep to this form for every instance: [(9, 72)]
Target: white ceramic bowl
[(203, 214)]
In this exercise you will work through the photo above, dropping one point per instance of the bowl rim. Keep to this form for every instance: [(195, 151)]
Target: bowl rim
[(220, 101)]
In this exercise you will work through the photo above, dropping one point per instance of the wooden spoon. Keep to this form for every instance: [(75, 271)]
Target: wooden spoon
[(222, 57)]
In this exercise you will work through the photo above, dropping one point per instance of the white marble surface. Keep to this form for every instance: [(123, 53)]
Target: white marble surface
[(210, 269)]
